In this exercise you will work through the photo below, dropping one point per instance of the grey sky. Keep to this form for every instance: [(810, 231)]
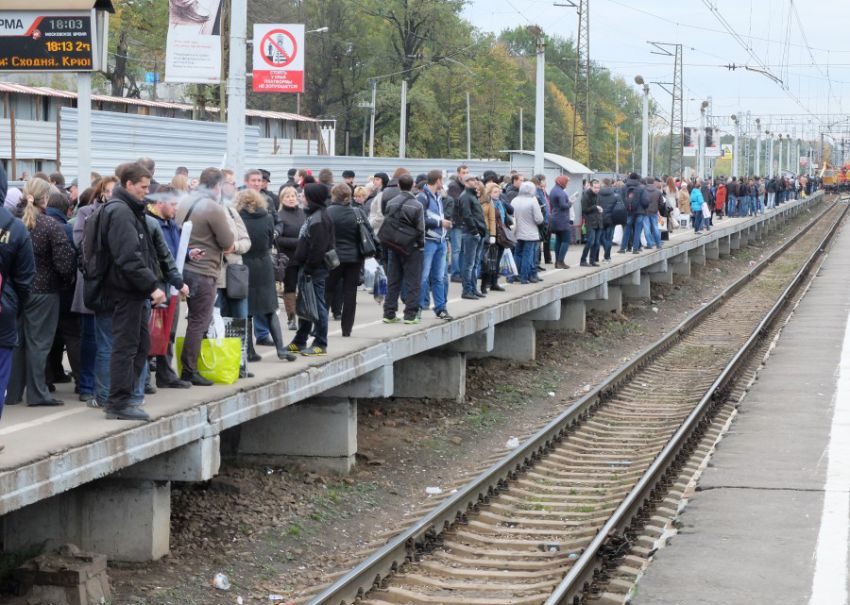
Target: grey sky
[(620, 29)]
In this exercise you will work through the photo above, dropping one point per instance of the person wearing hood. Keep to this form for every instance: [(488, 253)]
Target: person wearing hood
[(11, 199), (592, 213), (17, 268), (315, 240), (561, 205), (528, 217), (253, 209)]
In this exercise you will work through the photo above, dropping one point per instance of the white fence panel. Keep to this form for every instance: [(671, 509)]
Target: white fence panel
[(34, 140)]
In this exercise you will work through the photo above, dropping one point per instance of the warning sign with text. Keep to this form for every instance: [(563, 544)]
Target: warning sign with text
[(278, 57)]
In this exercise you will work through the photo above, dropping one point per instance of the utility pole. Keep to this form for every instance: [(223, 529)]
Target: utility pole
[(644, 139), (84, 130), (372, 119), (521, 146), (468, 130), (580, 143), (402, 124), (770, 172), (617, 152), (236, 87), (701, 151), (758, 147), (735, 164), (677, 124), (538, 105)]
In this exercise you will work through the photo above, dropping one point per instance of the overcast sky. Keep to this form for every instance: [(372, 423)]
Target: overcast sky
[(814, 64)]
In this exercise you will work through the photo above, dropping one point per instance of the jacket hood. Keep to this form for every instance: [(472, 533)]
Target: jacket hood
[(632, 183)]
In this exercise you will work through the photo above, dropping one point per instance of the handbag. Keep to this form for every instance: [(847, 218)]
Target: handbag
[(492, 259), (331, 259), (236, 277), (280, 262), (306, 304), (219, 360), (365, 241), (159, 326), (505, 237)]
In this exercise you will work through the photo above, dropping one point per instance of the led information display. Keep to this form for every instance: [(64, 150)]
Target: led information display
[(41, 41)]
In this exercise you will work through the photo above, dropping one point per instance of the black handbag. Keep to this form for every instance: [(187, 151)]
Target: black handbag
[(331, 259), (236, 277), (306, 304), (280, 261), (365, 241)]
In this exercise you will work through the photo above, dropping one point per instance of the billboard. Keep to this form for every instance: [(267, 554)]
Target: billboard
[(193, 46), (47, 41), (278, 57)]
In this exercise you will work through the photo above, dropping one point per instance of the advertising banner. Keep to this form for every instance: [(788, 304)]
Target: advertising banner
[(278, 57), (193, 47), (47, 41)]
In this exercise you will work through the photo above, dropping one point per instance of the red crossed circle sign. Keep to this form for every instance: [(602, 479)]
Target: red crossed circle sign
[(278, 48)]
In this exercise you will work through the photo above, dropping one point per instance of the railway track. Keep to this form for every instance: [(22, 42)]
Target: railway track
[(545, 524)]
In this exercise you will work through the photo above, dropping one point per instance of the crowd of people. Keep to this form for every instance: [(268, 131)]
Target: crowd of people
[(83, 267)]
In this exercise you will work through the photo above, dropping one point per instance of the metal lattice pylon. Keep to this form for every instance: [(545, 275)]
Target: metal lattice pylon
[(581, 115), (677, 116)]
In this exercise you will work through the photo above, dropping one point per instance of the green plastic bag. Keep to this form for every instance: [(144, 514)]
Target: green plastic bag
[(219, 361)]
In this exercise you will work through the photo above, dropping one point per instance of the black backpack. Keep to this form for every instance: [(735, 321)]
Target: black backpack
[(632, 199)]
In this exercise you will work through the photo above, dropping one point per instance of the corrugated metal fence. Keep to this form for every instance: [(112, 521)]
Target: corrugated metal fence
[(119, 137)]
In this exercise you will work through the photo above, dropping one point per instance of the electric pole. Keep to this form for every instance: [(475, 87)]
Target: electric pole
[(677, 120), (580, 144)]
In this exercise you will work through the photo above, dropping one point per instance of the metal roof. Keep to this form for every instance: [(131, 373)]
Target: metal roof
[(568, 164), (67, 94)]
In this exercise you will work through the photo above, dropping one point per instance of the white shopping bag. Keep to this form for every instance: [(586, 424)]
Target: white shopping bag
[(216, 329), (618, 234)]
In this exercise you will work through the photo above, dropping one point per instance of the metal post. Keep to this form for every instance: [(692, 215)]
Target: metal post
[(84, 130), (701, 143), (617, 147), (13, 137), (538, 108), (644, 138), (735, 162), (468, 130), (770, 171), (520, 129), (236, 88), (372, 124), (758, 148), (402, 129)]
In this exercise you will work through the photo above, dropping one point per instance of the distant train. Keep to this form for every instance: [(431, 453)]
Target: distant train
[(836, 179)]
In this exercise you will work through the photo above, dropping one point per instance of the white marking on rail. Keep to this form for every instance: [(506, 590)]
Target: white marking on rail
[(829, 584)]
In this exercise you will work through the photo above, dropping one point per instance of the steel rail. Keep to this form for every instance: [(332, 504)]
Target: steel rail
[(581, 574), (410, 543)]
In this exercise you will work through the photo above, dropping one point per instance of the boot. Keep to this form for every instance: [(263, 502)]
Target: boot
[(494, 283), (485, 283), (289, 307), (252, 354), (274, 328)]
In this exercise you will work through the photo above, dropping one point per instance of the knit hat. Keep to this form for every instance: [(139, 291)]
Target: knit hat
[(316, 193), (385, 178), (348, 174), (13, 198), (561, 181)]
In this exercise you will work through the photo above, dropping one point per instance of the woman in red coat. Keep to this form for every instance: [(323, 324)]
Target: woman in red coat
[(720, 199)]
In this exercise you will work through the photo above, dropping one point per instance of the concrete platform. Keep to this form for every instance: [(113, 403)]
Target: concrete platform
[(756, 532), (51, 451)]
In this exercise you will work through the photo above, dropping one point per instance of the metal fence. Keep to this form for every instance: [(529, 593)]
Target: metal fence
[(120, 137)]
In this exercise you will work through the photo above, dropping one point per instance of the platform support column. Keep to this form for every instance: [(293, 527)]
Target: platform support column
[(434, 375), (319, 433), (573, 318)]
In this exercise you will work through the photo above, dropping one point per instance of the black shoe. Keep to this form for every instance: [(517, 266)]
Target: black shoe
[(129, 412), (594, 264), (469, 296), (61, 378), (535, 280), (497, 288), (266, 342), (457, 280), (150, 389), (243, 373), (46, 403), (86, 397), (285, 355), (444, 315), (541, 268), (196, 379), (174, 383), (480, 294), (254, 357), (584, 263), (337, 317)]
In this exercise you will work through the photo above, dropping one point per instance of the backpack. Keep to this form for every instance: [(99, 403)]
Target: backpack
[(93, 260), (632, 199), (396, 233)]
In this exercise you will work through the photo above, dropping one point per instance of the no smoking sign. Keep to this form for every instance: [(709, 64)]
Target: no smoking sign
[(278, 58)]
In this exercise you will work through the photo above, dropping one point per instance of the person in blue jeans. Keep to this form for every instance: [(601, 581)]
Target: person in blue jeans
[(527, 218), (103, 339), (696, 206), (434, 257)]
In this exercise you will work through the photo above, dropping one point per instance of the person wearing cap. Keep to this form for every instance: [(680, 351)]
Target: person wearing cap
[(73, 192), (290, 181), (270, 198), (348, 179), (317, 237)]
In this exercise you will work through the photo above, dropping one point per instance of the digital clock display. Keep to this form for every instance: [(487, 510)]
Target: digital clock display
[(38, 41)]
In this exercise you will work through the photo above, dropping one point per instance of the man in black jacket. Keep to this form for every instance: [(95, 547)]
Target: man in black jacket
[(470, 218), (17, 268), (129, 282), (403, 234)]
